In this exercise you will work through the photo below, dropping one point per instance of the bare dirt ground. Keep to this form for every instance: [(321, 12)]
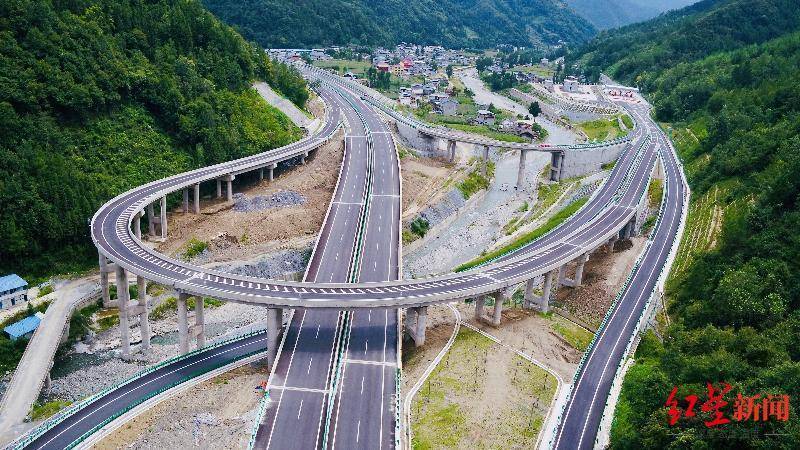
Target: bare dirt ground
[(423, 182), (218, 413), (234, 235), (603, 277)]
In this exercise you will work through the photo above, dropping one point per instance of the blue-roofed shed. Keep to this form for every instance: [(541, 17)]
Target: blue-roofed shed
[(13, 290), (22, 329), (12, 282)]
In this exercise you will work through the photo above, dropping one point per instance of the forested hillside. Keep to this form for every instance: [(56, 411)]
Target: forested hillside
[(639, 53), (733, 297), (451, 23), (605, 14), (98, 96)]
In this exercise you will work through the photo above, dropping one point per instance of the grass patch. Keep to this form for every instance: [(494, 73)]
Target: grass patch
[(602, 129), (526, 238), (41, 411), (420, 226), (45, 291), (577, 336), (475, 181), (609, 165), (171, 304), (483, 130), (627, 121), (655, 191), (444, 410), (194, 247)]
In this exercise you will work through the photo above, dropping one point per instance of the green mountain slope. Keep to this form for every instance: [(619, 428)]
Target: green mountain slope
[(452, 23), (636, 53), (730, 92), (605, 14), (98, 96)]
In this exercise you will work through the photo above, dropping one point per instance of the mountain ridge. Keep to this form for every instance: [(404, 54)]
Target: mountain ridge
[(451, 23)]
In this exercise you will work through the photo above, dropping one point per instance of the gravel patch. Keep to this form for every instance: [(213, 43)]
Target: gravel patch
[(281, 199), (446, 206), (273, 266)]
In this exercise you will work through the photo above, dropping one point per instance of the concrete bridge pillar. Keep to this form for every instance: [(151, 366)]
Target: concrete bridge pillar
[(274, 325), (579, 269), (544, 300), (151, 220), (123, 301), (527, 302), (416, 319), (451, 151), (272, 171), (485, 169), (556, 164), (104, 292), (185, 205), (229, 188), (199, 330), (498, 308), (183, 323), (197, 198), (521, 170), (164, 217), (219, 188), (260, 174), (143, 310), (303, 158), (611, 242), (137, 225), (480, 302)]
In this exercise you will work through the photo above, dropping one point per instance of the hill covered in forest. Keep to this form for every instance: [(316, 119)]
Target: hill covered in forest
[(605, 14), (723, 78), (99, 96), (451, 23)]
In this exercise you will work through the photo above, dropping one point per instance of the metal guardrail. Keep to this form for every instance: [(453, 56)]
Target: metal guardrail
[(46, 426)]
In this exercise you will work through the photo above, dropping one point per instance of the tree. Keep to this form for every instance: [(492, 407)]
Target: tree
[(535, 109), (449, 70)]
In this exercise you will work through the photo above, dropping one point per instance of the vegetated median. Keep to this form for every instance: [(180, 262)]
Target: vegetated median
[(526, 238), (477, 382)]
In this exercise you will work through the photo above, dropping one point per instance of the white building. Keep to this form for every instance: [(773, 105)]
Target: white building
[(571, 84), (13, 291)]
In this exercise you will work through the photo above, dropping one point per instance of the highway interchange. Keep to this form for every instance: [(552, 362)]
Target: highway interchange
[(370, 181)]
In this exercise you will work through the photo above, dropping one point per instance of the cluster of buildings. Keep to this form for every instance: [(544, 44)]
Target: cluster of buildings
[(408, 60), (436, 91)]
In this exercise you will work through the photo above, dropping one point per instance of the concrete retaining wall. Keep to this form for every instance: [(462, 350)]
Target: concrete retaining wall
[(581, 162), (415, 139)]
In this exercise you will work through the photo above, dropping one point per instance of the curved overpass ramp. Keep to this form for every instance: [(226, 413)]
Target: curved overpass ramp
[(601, 219)]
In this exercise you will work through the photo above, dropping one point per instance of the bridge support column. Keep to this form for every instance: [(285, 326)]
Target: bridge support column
[(260, 174), (151, 220), (272, 172), (573, 282), (185, 200), (544, 300), (274, 325), (498, 308), (123, 301), (610, 245), (527, 302), (485, 169), (199, 329), (303, 158), (521, 170), (416, 319), (183, 324), (164, 217), (480, 302), (143, 310), (451, 151), (137, 225), (579, 269), (556, 164), (219, 188), (104, 292), (197, 198), (229, 187)]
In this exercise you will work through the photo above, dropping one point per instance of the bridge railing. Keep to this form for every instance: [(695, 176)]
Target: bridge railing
[(46, 426)]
